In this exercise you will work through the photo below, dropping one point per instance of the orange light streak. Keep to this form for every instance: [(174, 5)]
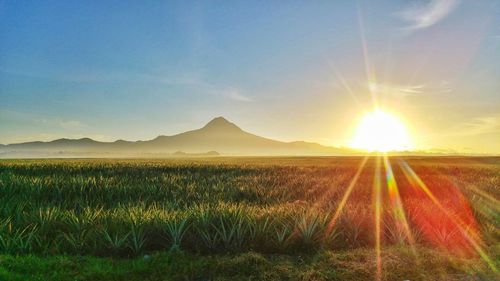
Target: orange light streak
[(347, 193), (462, 227), (378, 211)]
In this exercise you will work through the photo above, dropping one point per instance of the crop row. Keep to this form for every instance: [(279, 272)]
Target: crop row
[(126, 208)]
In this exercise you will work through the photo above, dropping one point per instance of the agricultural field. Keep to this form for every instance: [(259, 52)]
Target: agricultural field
[(294, 218)]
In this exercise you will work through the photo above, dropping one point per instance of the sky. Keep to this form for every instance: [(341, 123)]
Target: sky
[(287, 70)]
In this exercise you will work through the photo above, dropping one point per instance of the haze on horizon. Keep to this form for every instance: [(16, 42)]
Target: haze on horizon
[(284, 70)]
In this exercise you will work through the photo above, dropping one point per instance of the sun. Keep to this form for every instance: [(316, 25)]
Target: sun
[(381, 131)]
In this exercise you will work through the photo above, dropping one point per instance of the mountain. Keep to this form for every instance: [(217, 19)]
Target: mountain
[(218, 136)]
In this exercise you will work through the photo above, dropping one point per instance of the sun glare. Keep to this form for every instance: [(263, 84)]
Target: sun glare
[(382, 132)]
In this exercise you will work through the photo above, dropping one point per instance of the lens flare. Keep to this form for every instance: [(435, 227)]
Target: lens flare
[(345, 197), (449, 226), (398, 211), (377, 202)]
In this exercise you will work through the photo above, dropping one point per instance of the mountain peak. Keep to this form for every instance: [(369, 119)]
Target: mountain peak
[(221, 124)]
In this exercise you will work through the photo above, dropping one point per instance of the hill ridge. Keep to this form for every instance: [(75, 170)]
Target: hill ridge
[(219, 134)]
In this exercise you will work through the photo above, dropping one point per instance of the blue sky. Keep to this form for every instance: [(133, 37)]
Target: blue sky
[(290, 70)]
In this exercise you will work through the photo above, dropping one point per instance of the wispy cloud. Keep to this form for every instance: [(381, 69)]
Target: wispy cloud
[(41, 128), (420, 16), (68, 76), (36, 120), (380, 88), (70, 124), (235, 94), (202, 86), (481, 125), (51, 136), (191, 81), (408, 90), (58, 122), (476, 126)]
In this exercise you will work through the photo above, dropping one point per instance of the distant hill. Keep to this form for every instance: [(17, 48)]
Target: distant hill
[(218, 136)]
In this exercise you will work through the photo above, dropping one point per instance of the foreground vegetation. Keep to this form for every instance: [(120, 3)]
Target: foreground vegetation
[(398, 264), (278, 214)]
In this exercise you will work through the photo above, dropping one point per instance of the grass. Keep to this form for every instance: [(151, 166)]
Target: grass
[(325, 265), (96, 219)]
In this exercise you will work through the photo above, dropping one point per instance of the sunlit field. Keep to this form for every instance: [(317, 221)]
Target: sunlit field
[(373, 218)]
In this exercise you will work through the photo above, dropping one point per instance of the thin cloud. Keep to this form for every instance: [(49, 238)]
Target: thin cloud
[(423, 16), (236, 95), (51, 137), (397, 90), (190, 80), (200, 85), (37, 120), (482, 125), (70, 124), (62, 123), (409, 90)]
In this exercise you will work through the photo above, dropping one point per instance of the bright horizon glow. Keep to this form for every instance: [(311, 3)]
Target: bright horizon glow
[(382, 132)]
